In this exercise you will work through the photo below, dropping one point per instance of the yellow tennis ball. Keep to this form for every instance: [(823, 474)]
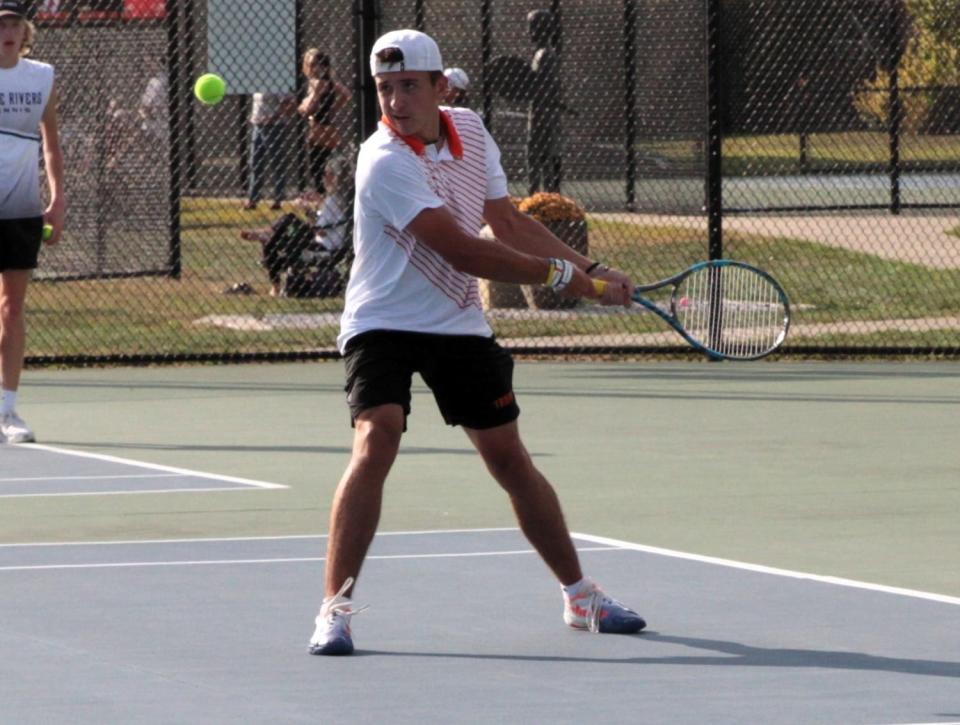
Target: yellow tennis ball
[(47, 231), (210, 89)]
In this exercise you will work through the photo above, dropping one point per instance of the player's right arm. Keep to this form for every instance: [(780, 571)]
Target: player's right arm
[(487, 258), (53, 163), (394, 186)]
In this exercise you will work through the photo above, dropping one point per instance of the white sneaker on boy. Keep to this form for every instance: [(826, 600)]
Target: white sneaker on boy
[(14, 430), (333, 635)]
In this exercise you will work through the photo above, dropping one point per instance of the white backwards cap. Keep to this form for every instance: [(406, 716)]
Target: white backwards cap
[(417, 52)]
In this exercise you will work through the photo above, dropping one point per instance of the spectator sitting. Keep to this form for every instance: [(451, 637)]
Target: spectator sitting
[(301, 259)]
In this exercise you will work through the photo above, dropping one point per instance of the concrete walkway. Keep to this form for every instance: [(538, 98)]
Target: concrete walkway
[(921, 238)]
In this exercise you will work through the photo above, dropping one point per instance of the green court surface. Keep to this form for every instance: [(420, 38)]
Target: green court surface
[(838, 469)]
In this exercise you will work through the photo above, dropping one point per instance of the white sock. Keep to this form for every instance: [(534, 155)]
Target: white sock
[(9, 402), (572, 589)]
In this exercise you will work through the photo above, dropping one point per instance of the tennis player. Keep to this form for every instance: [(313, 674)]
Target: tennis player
[(28, 121), (427, 180)]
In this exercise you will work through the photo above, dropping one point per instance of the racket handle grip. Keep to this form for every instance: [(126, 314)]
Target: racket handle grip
[(599, 286)]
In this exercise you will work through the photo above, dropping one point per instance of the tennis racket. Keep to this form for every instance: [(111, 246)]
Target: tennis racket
[(728, 310)]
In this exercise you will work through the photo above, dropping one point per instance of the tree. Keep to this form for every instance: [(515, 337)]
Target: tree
[(928, 72)]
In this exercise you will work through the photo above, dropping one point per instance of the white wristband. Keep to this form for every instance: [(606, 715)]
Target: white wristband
[(561, 272)]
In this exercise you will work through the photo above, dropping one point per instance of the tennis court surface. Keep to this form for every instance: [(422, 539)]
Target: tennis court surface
[(786, 529)]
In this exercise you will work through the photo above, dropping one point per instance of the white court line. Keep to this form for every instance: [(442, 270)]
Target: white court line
[(608, 544), (154, 467), (46, 479), (284, 560), (219, 539), (205, 489), (838, 581)]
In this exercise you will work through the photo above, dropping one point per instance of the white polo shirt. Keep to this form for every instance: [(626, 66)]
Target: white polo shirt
[(24, 93), (397, 282)]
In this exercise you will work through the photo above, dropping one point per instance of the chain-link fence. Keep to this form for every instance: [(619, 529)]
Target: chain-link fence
[(820, 141)]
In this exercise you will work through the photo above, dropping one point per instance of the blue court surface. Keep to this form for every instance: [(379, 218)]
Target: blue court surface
[(38, 470), (464, 626)]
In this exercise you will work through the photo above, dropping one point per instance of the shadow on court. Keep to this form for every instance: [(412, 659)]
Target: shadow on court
[(734, 654)]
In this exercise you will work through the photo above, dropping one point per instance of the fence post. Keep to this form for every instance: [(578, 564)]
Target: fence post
[(174, 94), (190, 60), (300, 161), (896, 107), (630, 99), (713, 193), (366, 17), (486, 52), (419, 16)]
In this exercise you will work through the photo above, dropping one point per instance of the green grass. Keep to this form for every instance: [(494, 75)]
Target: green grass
[(158, 316), (851, 152)]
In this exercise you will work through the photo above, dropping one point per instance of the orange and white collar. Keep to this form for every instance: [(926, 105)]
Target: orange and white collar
[(450, 131)]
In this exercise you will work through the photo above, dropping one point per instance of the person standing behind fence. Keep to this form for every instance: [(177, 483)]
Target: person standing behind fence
[(544, 162), (28, 122), (154, 108), (458, 84), (269, 142), (325, 97)]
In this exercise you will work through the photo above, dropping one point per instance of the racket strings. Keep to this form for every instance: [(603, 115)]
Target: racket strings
[(732, 310)]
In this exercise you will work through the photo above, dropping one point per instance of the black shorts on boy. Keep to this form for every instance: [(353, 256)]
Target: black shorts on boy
[(20, 241), (471, 377)]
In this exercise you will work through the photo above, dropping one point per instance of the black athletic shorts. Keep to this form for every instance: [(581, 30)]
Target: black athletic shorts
[(471, 377), (20, 241)]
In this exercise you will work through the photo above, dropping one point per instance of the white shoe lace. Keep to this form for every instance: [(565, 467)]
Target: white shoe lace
[(338, 605), (593, 607)]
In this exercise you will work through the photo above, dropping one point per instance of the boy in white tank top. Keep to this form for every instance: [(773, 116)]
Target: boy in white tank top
[(28, 123)]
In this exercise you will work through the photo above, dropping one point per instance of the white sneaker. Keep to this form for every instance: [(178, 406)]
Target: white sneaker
[(14, 429), (589, 608), (332, 635)]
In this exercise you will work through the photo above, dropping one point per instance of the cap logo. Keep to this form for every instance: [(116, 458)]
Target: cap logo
[(390, 56)]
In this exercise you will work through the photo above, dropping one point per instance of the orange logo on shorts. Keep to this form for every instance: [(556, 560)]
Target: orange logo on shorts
[(503, 401)]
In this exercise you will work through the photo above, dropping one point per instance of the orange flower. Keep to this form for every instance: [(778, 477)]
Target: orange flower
[(550, 207)]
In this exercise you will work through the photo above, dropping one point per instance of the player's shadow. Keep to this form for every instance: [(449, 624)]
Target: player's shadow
[(728, 654)]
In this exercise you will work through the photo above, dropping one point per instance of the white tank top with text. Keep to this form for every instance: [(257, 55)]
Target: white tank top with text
[(24, 93)]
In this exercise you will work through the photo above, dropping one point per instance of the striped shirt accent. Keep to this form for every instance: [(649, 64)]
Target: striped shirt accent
[(462, 184), (397, 282)]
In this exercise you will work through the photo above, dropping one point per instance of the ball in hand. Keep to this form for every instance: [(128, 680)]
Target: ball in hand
[(47, 232), (210, 89)]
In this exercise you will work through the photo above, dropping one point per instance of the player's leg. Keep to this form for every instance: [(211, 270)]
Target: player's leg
[(534, 500), (13, 337), (18, 258), (541, 519), (353, 523), (378, 393), (472, 381), (357, 500)]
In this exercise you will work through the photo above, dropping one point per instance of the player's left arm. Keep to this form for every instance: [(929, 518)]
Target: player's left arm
[(53, 163), (524, 233)]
